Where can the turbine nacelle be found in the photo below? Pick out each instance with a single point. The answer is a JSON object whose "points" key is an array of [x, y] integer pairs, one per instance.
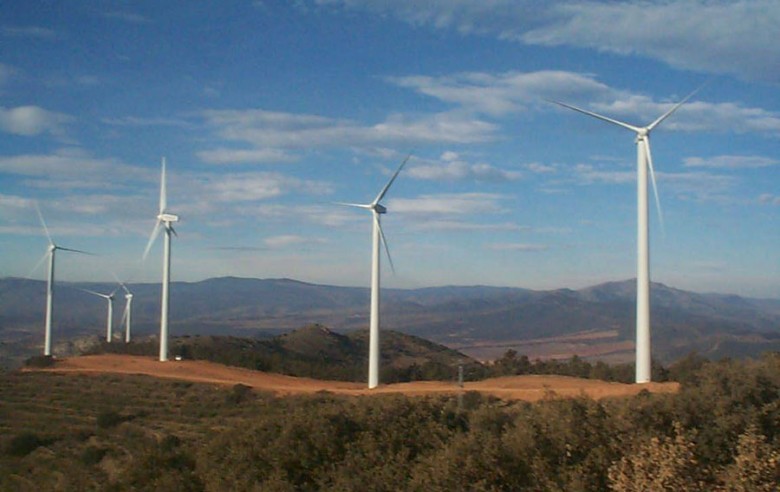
{"points": [[166, 217], [379, 208]]}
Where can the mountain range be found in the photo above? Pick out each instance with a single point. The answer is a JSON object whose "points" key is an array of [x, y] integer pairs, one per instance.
{"points": [[483, 322]]}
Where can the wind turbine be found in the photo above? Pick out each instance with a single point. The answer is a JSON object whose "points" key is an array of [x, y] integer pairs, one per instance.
{"points": [[165, 221], [51, 253], [377, 209], [644, 161], [127, 312], [110, 319]]}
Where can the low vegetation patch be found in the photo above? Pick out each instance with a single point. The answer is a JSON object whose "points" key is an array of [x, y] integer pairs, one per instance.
{"points": [[720, 432]]}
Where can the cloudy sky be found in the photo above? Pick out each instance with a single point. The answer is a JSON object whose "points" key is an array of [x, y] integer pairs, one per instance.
{"points": [[270, 111]]}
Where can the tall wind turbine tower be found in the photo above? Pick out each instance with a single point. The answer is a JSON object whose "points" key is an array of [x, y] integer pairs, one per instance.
{"points": [[165, 221], [377, 235], [644, 161], [51, 253]]}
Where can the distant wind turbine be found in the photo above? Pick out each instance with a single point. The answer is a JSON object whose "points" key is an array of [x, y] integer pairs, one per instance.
{"points": [[110, 319], [165, 221], [644, 161], [50, 252], [127, 312], [377, 210]]}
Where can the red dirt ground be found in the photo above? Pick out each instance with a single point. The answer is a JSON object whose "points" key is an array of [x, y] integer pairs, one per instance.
{"points": [[528, 388]]}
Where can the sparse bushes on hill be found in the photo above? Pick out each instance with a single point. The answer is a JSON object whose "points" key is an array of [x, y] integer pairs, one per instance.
{"points": [[721, 433]]}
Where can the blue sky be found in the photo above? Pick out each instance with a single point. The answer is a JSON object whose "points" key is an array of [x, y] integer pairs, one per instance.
{"points": [[270, 111]]}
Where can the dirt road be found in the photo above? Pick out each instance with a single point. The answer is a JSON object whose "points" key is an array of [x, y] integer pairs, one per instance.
{"points": [[528, 388]]}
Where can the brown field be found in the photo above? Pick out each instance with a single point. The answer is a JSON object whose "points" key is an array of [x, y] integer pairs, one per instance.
{"points": [[528, 388]]}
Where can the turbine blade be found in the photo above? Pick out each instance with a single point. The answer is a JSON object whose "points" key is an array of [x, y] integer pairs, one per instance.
{"points": [[366, 206], [104, 296], [597, 116], [673, 109], [38, 265], [76, 251], [173, 230], [152, 238], [163, 198], [652, 180], [121, 284], [124, 316], [43, 223], [390, 183], [384, 241]]}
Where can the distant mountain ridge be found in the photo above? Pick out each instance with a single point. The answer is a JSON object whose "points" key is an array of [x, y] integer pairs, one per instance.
{"points": [[481, 321]]}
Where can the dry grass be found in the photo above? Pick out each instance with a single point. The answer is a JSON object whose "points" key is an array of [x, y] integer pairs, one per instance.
{"points": [[528, 388]]}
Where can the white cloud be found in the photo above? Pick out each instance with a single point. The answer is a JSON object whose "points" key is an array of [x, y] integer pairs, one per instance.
{"points": [[448, 204], [538, 168], [239, 156], [450, 225], [731, 162], [266, 129], [32, 120], [452, 167], [249, 186], [520, 247], [717, 36], [284, 241], [508, 92], [72, 168]]}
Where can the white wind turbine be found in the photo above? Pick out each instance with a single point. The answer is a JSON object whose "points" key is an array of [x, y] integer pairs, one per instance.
{"points": [[50, 252], [110, 319], [127, 312], [376, 209], [644, 161], [165, 221]]}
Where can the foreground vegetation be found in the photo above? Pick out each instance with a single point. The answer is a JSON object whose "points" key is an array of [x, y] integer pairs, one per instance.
{"points": [[76, 432]]}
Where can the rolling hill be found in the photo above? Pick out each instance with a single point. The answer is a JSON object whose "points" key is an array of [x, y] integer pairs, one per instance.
{"points": [[482, 322]]}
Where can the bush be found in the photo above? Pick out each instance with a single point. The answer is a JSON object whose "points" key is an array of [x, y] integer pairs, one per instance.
{"points": [[40, 361], [24, 444], [109, 419]]}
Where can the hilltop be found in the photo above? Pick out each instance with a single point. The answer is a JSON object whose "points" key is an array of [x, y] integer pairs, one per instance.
{"points": [[315, 352]]}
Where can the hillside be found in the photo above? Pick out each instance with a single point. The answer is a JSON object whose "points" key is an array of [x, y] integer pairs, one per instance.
{"points": [[315, 352], [483, 322]]}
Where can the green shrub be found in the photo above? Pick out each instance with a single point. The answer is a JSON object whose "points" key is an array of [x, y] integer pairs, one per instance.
{"points": [[25, 443]]}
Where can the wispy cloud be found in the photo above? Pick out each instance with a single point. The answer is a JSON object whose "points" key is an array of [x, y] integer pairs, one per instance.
{"points": [[266, 129], [769, 199], [33, 32], [720, 36], [448, 204], [509, 92], [519, 247], [287, 240], [71, 168], [450, 166], [716, 36], [32, 120], [731, 162], [242, 156]]}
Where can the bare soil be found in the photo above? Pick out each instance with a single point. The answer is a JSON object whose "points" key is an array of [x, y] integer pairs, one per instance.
{"points": [[528, 388]]}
